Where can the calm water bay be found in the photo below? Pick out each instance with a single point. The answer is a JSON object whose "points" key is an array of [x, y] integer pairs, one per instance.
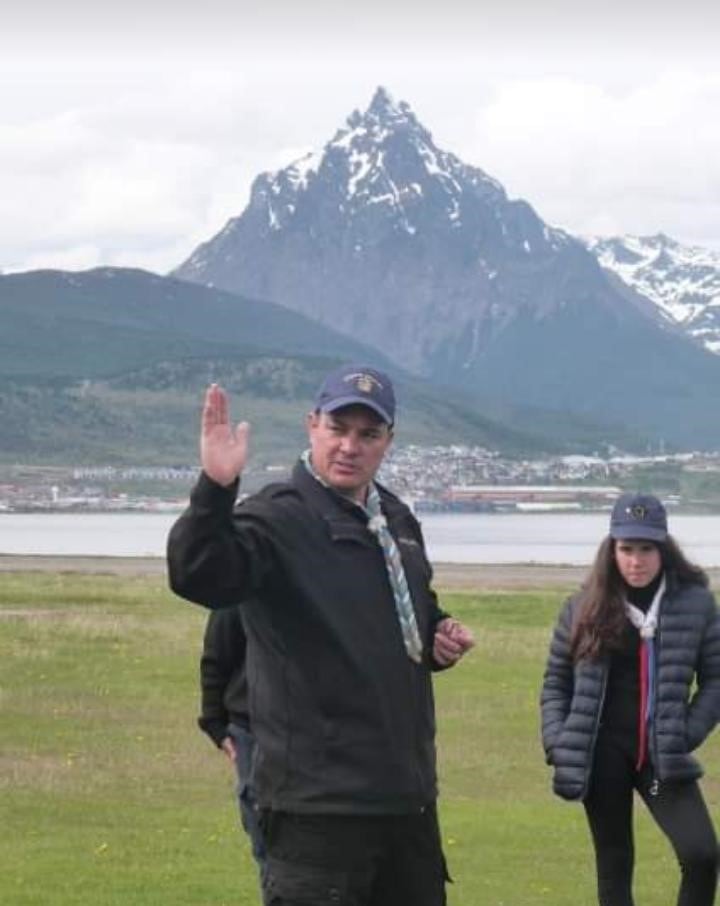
{"points": [[451, 538]]}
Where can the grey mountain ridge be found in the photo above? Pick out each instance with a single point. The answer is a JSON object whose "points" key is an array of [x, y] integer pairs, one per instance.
{"points": [[401, 245], [500, 330], [111, 364]]}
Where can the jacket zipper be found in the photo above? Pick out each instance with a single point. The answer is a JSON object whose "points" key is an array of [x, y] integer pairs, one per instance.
{"points": [[655, 783]]}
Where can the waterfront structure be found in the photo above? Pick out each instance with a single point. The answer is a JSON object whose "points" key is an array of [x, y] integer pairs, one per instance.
{"points": [[529, 497]]}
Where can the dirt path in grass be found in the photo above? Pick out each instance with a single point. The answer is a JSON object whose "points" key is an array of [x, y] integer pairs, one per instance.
{"points": [[460, 576], [451, 576]]}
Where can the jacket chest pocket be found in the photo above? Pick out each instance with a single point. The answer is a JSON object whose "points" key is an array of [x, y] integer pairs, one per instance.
{"points": [[351, 533], [365, 557]]}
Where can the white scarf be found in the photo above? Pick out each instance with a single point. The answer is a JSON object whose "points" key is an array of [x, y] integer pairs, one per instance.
{"points": [[646, 623]]}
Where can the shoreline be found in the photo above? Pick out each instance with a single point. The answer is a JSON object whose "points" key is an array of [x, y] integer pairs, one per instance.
{"points": [[448, 576]]}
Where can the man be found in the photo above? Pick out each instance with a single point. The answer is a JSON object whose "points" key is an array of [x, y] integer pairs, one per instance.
{"points": [[224, 710], [343, 630]]}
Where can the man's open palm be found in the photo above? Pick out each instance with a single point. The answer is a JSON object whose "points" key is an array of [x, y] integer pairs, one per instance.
{"points": [[223, 448]]}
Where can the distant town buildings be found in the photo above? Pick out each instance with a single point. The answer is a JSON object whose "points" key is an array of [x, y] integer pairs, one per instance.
{"points": [[450, 478]]}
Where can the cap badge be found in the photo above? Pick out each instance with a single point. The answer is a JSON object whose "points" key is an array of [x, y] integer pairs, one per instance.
{"points": [[365, 383], [638, 512]]}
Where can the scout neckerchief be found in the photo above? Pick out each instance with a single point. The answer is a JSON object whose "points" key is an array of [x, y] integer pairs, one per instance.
{"points": [[377, 524], [646, 623]]}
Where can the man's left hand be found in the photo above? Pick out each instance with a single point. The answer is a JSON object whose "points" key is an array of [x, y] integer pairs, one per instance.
{"points": [[452, 640]]}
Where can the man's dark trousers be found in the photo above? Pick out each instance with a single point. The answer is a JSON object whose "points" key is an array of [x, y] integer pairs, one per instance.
{"points": [[354, 860]]}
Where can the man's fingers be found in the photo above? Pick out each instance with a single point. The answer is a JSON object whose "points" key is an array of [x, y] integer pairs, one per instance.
{"points": [[215, 408], [466, 638], [242, 432], [458, 633], [221, 404], [447, 647]]}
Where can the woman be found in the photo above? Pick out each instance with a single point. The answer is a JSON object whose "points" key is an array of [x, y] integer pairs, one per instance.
{"points": [[619, 708]]}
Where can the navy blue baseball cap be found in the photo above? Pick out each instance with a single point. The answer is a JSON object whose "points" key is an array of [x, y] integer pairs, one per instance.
{"points": [[357, 385], [638, 516]]}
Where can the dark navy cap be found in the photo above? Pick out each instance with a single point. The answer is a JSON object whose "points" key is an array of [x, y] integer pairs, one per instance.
{"points": [[354, 385], [640, 516]]}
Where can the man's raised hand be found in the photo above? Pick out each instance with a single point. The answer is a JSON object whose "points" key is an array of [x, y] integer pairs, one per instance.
{"points": [[223, 448]]}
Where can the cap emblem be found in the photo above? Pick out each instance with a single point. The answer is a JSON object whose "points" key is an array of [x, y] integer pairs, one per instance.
{"points": [[638, 511], [363, 382]]}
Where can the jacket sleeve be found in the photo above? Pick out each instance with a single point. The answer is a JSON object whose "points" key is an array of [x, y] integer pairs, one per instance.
{"points": [[558, 682], [218, 555], [223, 655], [437, 616], [704, 707]]}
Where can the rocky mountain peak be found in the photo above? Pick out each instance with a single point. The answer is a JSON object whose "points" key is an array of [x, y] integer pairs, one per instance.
{"points": [[385, 111], [382, 172], [380, 202], [383, 121]]}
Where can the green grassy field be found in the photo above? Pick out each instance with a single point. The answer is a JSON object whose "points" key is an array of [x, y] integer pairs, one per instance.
{"points": [[110, 795]]}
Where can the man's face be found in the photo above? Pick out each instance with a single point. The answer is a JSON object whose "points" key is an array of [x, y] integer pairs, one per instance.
{"points": [[347, 447]]}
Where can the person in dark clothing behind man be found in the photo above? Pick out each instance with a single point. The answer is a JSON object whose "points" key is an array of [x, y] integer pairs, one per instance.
{"points": [[620, 711], [224, 710], [343, 631]]}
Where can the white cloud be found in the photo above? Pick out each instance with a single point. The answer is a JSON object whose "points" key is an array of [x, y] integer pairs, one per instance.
{"points": [[646, 159], [130, 146]]}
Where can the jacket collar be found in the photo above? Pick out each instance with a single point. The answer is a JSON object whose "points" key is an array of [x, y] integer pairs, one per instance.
{"points": [[330, 503], [323, 499]]}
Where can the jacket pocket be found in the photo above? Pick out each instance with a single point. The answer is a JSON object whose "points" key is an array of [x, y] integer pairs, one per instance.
{"points": [[350, 531], [287, 882]]}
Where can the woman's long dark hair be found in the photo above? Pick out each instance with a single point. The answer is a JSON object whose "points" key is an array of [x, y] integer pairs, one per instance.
{"points": [[601, 616]]}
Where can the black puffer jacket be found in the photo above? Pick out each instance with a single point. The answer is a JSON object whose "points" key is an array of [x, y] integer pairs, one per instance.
{"points": [[688, 648]]}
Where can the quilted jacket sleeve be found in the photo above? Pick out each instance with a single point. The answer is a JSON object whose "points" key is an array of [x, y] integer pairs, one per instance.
{"points": [[558, 682], [704, 708]]}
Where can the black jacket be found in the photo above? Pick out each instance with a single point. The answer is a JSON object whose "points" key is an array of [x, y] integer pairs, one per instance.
{"points": [[343, 718], [688, 648], [223, 683]]}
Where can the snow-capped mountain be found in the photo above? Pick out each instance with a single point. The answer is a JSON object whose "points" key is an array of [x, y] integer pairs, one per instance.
{"points": [[385, 237], [682, 281]]}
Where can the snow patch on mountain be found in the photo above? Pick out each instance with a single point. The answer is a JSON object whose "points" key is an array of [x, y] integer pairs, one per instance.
{"points": [[385, 157], [683, 281], [381, 175]]}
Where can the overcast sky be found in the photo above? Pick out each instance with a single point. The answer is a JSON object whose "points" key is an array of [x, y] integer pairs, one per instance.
{"points": [[129, 136]]}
